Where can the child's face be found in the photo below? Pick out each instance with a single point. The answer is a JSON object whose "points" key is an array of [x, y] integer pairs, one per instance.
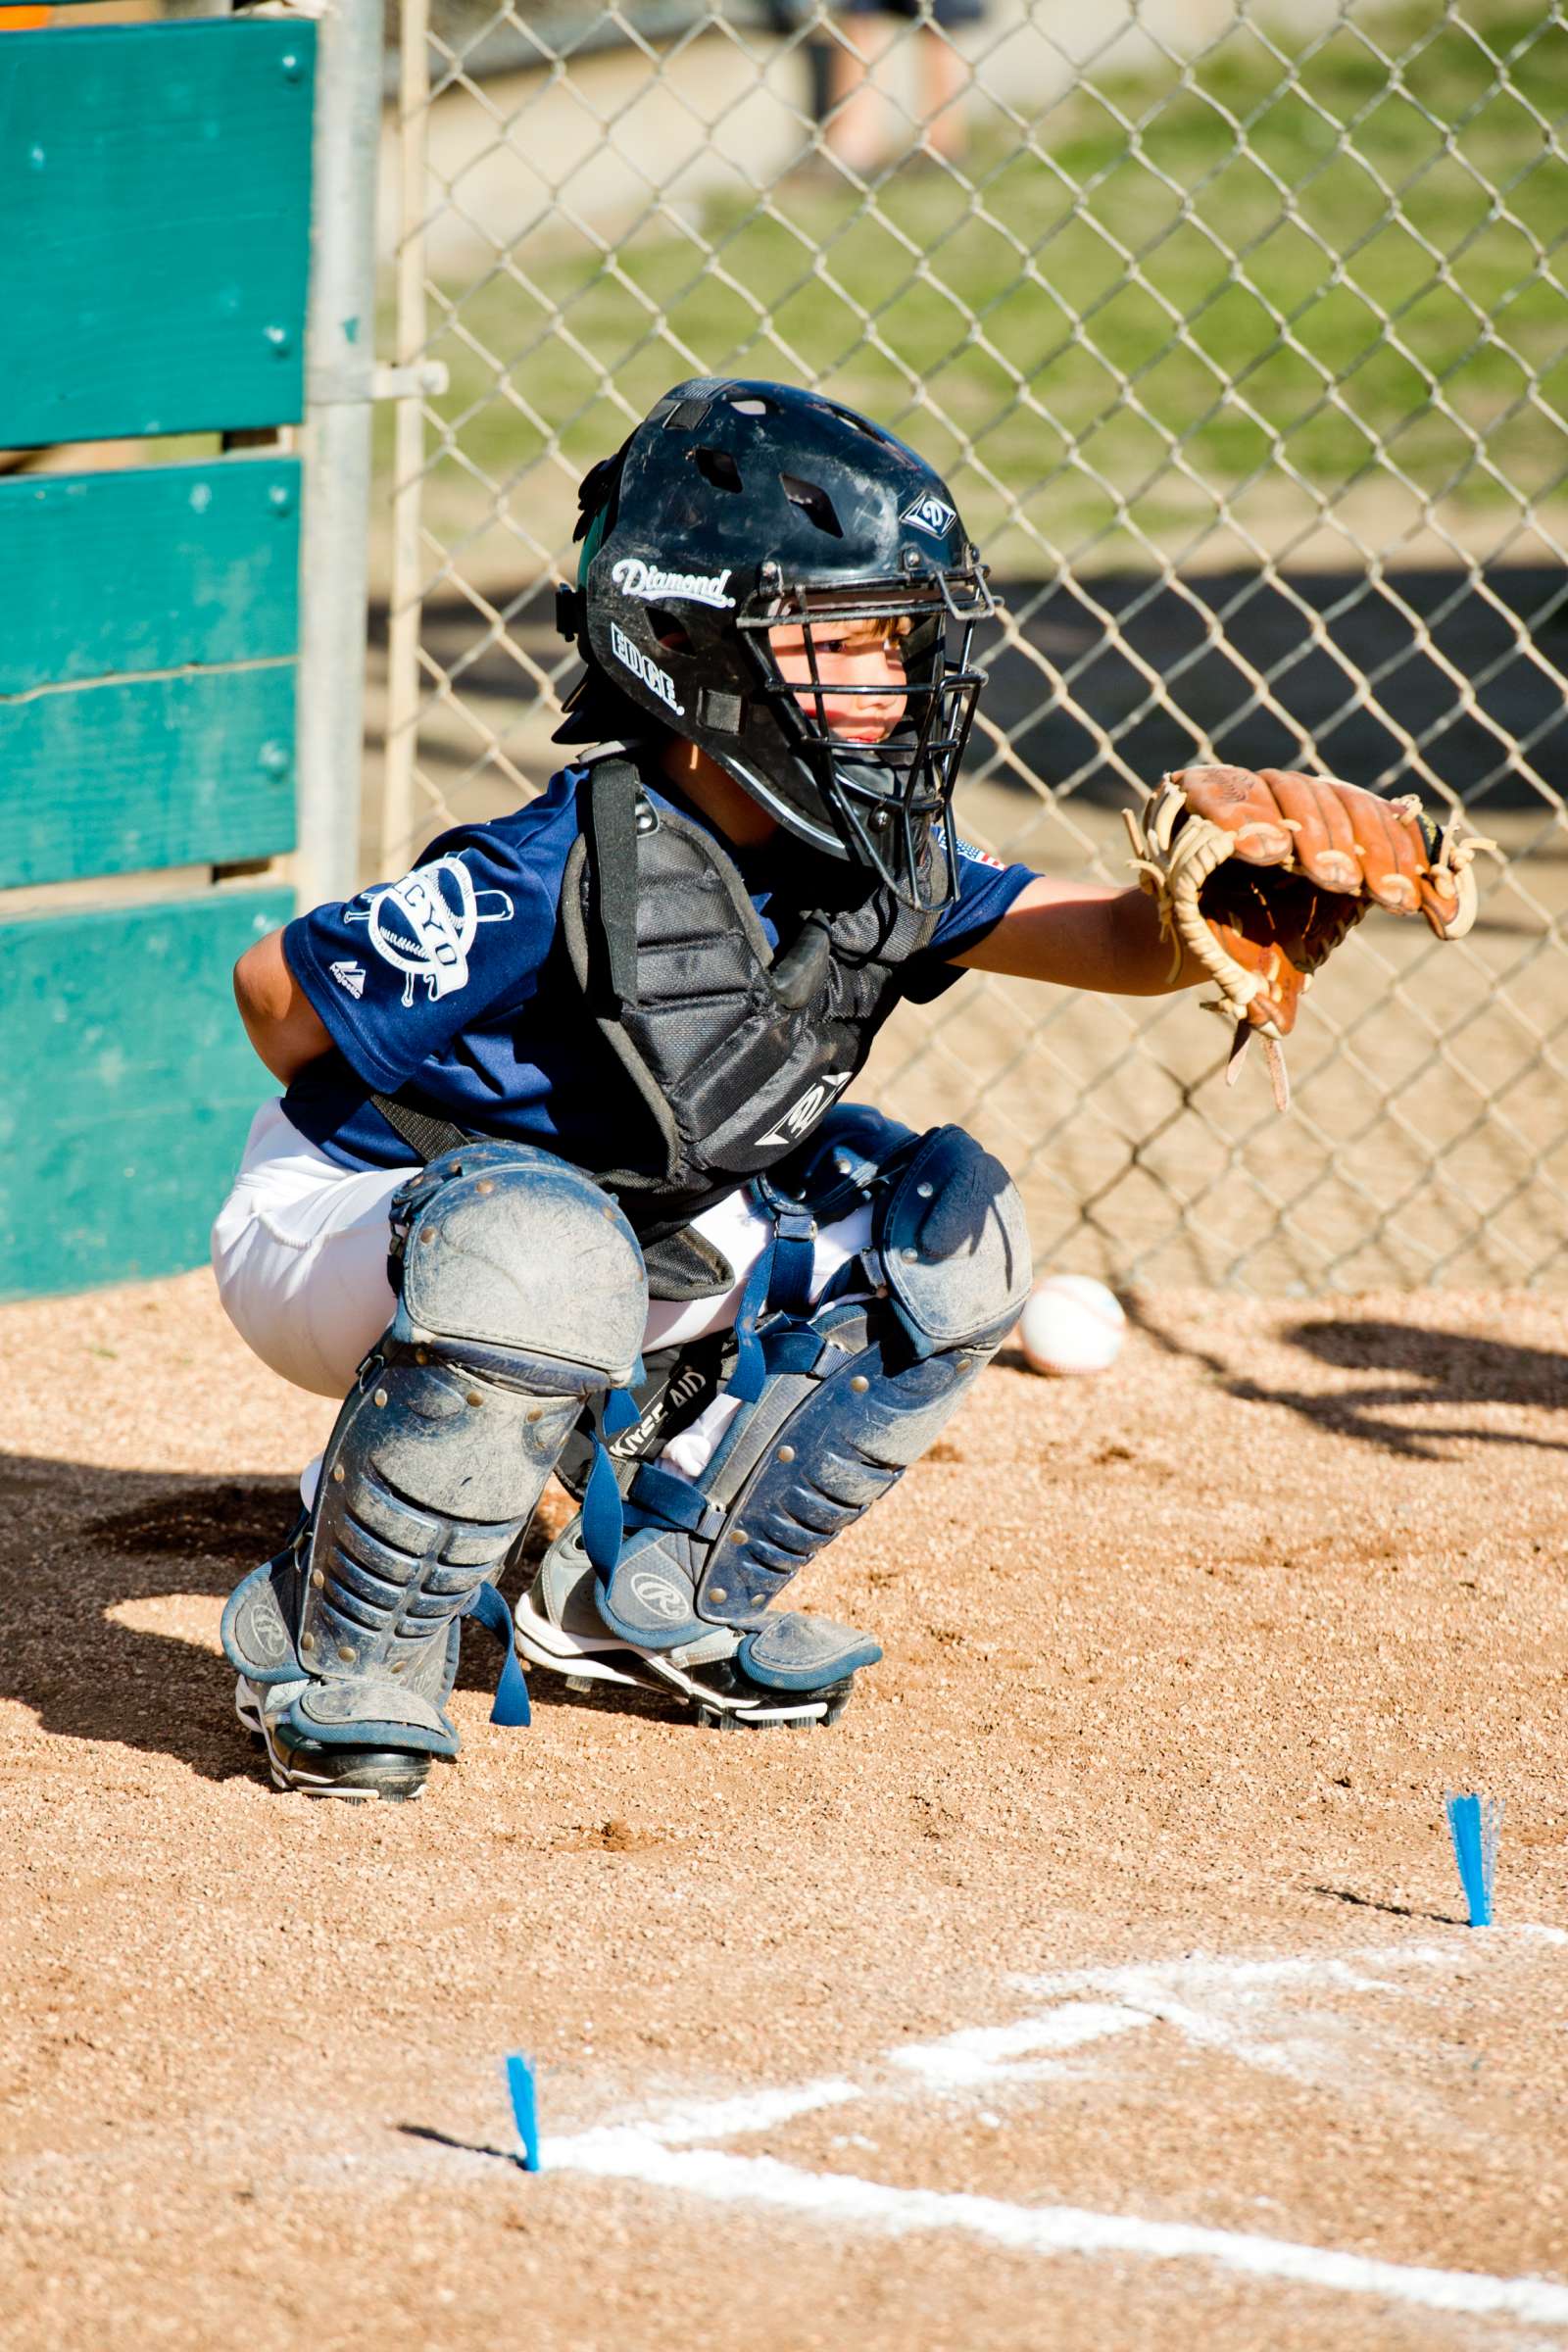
{"points": [[859, 692]]}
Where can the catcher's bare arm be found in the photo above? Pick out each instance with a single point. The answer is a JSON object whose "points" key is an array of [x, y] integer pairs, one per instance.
{"points": [[1083, 935]]}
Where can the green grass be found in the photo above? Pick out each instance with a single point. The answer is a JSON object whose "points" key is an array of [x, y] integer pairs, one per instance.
{"points": [[1139, 304]]}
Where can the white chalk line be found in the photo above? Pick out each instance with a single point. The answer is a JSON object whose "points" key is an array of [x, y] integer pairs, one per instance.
{"points": [[714, 2173], [985, 2054], [1363, 1971], [656, 2150], [1241, 2009], [750, 2111]]}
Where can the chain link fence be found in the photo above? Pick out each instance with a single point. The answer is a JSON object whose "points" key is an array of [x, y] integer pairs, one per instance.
{"points": [[1242, 335]]}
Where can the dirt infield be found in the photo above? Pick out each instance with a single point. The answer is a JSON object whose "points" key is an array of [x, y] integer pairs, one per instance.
{"points": [[1099, 1983]]}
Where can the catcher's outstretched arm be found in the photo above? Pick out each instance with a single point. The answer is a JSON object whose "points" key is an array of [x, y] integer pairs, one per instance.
{"points": [[1084, 935]]}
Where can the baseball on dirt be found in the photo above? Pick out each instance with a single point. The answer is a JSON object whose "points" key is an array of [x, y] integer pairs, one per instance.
{"points": [[1071, 1324]]}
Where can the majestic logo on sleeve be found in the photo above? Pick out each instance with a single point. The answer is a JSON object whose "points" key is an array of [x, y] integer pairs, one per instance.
{"points": [[425, 924], [804, 1111], [633, 577]]}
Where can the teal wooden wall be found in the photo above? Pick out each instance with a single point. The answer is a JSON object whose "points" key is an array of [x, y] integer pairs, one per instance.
{"points": [[189, 565], [155, 190], [127, 1101]]}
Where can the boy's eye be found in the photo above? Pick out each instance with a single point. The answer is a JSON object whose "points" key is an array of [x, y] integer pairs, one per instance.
{"points": [[862, 645]]}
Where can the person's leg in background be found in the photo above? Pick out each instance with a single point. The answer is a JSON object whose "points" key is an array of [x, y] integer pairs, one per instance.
{"points": [[854, 132]]}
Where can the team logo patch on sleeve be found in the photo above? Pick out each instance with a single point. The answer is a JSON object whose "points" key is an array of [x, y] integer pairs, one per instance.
{"points": [[424, 925]]}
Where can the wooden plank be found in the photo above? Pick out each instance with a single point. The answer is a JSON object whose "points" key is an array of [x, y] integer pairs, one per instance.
{"points": [[155, 190], [196, 769], [150, 570], [129, 1087]]}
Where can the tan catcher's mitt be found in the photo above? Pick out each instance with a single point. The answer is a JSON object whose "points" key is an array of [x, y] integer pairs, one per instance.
{"points": [[1260, 875]]}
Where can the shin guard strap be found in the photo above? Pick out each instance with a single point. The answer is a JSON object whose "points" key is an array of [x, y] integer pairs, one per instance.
{"points": [[510, 1706], [604, 1520]]}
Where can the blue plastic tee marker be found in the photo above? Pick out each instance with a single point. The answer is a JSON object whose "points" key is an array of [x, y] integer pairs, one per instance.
{"points": [[1473, 1825], [524, 2109]]}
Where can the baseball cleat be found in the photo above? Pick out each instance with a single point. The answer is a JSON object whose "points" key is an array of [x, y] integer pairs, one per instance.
{"points": [[394, 1774], [722, 1694]]}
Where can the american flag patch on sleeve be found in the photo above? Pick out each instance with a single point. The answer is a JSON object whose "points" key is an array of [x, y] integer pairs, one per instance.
{"points": [[971, 850]]}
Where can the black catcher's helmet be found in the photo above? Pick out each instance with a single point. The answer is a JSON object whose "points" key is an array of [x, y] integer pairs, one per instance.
{"points": [[735, 507]]}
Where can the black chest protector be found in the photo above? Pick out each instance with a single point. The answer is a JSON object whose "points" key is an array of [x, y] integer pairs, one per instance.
{"points": [[733, 1051]]}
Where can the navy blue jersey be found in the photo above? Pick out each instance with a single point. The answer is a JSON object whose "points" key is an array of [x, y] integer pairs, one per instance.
{"points": [[453, 986]]}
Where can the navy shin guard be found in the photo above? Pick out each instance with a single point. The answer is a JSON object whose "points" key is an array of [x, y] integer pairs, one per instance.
{"points": [[522, 1292], [840, 1400]]}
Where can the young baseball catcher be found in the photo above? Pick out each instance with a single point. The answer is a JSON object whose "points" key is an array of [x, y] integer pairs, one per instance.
{"points": [[563, 1177]]}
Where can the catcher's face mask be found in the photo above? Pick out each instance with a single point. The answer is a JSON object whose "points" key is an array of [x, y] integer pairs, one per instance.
{"points": [[874, 689]]}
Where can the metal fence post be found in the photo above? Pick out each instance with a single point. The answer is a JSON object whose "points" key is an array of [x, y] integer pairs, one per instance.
{"points": [[401, 809], [340, 355]]}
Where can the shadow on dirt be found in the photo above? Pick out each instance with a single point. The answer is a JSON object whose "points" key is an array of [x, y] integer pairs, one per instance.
{"points": [[81, 1542], [1367, 1902], [1446, 1369], [462, 2147], [1432, 1368]]}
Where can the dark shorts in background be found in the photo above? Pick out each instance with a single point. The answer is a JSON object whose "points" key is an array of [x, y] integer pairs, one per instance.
{"points": [[945, 13]]}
